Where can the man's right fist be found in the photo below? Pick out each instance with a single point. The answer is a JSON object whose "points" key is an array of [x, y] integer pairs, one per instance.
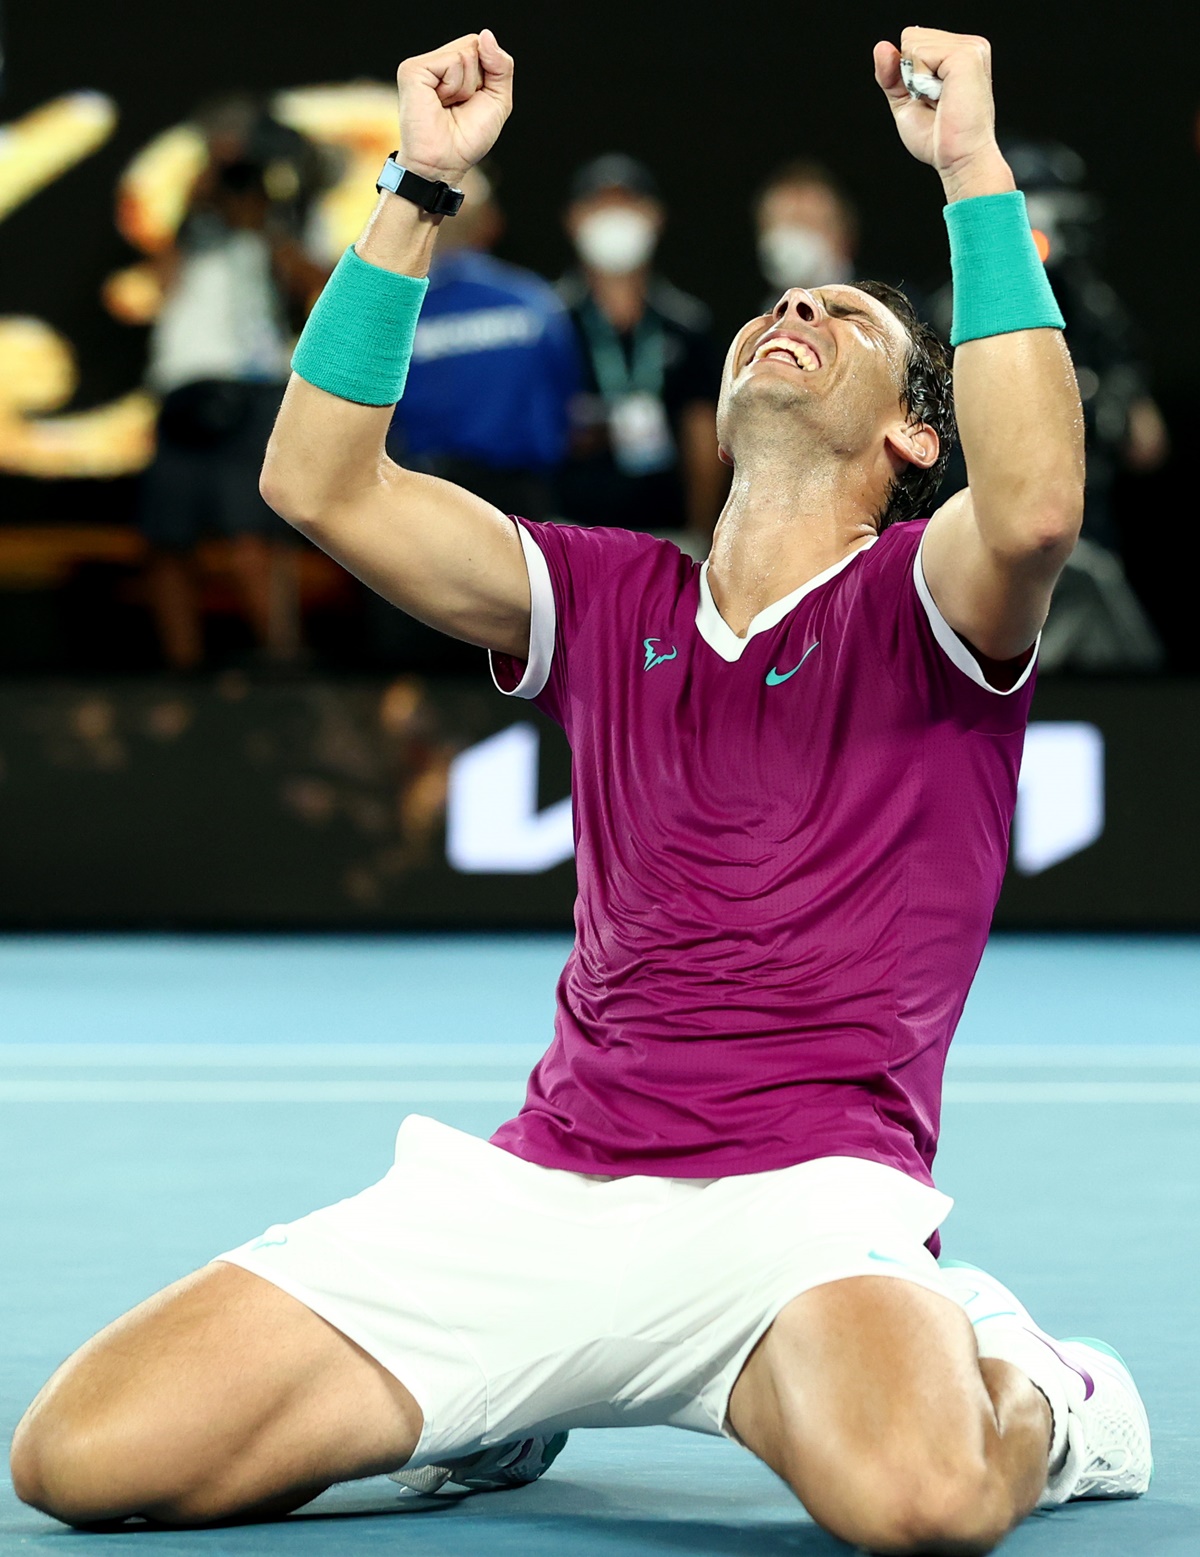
{"points": [[453, 104]]}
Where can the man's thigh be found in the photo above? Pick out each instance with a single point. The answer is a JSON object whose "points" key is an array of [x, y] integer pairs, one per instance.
{"points": [[221, 1394], [864, 1395]]}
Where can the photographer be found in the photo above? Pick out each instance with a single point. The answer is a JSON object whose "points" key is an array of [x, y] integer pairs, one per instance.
{"points": [[234, 284]]}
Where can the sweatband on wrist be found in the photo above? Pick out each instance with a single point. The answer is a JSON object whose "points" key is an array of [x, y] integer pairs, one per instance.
{"points": [[358, 341], [1000, 282]]}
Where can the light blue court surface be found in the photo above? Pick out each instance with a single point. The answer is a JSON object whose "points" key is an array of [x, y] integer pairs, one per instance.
{"points": [[162, 1099]]}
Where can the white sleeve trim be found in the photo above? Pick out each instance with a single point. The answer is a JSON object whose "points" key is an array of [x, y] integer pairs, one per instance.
{"points": [[542, 623], [953, 646]]}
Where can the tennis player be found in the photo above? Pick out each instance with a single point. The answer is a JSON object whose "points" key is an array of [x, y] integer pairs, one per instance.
{"points": [[794, 773]]}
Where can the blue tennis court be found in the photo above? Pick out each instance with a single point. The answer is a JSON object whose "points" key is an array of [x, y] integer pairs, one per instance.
{"points": [[162, 1099]]}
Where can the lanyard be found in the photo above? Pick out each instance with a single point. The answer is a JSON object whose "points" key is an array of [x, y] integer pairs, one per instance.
{"points": [[616, 375]]}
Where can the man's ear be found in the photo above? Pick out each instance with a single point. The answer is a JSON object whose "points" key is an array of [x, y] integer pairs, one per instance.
{"points": [[913, 443]]}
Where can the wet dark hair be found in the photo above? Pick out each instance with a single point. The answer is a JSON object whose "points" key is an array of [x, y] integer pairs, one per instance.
{"points": [[927, 395]]}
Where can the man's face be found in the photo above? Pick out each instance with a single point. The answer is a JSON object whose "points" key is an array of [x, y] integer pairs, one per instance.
{"points": [[615, 199], [830, 359], [614, 231], [812, 206]]}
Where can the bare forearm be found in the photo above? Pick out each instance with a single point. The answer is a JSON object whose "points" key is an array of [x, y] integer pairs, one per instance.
{"points": [[435, 550], [1021, 426], [324, 449], [1018, 412]]}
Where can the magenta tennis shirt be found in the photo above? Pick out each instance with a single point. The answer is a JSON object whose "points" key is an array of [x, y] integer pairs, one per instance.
{"points": [[789, 848]]}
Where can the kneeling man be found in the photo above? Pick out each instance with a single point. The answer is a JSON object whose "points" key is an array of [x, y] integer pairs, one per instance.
{"points": [[794, 772]]}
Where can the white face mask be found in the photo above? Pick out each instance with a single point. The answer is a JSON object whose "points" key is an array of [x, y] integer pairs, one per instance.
{"points": [[795, 256], [616, 241]]}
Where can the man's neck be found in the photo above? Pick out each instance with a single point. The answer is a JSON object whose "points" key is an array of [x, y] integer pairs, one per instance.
{"points": [[781, 527], [621, 299]]}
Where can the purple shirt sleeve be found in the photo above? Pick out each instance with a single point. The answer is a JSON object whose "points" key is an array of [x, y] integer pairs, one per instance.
{"points": [[922, 652], [571, 568]]}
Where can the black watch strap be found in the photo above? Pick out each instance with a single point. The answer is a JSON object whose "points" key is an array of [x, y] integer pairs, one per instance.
{"points": [[430, 194]]}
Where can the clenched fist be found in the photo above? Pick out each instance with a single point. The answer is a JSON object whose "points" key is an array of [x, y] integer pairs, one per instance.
{"points": [[957, 134], [453, 104]]}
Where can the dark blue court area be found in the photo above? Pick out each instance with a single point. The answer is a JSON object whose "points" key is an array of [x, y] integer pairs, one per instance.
{"points": [[164, 1099]]}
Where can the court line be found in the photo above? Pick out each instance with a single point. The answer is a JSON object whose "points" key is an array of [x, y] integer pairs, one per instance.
{"points": [[268, 1056], [1096, 1056], [1071, 1092], [454, 1056], [98, 1090]]}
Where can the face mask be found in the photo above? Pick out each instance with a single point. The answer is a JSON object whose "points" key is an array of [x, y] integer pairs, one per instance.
{"points": [[616, 241], [799, 257]]}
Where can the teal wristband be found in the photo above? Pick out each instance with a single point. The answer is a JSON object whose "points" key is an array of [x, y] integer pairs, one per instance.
{"points": [[358, 341], [1000, 283]]}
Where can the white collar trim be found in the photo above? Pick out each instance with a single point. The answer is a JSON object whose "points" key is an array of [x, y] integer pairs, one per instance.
{"points": [[722, 639]]}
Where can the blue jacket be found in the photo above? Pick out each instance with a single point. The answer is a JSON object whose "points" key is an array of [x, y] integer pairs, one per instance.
{"points": [[495, 365]]}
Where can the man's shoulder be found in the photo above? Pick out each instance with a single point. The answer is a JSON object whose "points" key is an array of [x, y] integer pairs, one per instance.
{"points": [[895, 548], [525, 285], [571, 291], [679, 308], [491, 281], [879, 579], [604, 548]]}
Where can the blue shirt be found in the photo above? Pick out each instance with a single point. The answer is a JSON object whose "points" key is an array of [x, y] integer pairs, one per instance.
{"points": [[495, 364]]}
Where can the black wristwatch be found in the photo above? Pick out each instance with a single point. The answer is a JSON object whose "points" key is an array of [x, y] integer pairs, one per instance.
{"points": [[430, 194]]}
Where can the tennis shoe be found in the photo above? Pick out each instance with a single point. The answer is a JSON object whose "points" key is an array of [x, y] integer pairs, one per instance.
{"points": [[1107, 1438], [1114, 1459], [505, 1465]]}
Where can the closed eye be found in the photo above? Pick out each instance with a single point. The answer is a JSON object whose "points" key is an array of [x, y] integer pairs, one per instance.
{"points": [[840, 310]]}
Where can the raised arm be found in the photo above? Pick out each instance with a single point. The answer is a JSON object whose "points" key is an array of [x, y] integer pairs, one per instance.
{"points": [[992, 554], [442, 554]]}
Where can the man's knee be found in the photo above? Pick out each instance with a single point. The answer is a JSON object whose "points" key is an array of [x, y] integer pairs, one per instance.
{"points": [[59, 1468], [955, 1508], [87, 1473]]}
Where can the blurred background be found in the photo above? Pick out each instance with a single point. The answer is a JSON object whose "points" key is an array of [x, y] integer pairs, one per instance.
{"points": [[204, 724], [206, 727]]}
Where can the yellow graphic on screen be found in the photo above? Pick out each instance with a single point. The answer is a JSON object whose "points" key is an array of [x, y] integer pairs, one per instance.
{"points": [[41, 147], [152, 201], [38, 374], [38, 371], [358, 119]]}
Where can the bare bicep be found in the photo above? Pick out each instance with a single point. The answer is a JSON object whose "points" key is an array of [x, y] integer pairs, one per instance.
{"points": [[996, 603], [438, 552]]}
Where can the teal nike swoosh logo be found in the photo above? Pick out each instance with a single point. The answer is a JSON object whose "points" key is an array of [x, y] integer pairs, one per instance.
{"points": [[873, 1254], [775, 679], [269, 1240]]}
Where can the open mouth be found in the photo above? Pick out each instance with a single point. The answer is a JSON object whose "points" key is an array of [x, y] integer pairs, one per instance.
{"points": [[786, 348]]}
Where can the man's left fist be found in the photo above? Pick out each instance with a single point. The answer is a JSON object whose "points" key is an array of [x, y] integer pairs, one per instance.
{"points": [[957, 134]]}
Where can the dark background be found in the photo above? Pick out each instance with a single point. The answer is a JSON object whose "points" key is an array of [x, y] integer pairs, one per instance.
{"points": [[712, 97], [239, 806]]}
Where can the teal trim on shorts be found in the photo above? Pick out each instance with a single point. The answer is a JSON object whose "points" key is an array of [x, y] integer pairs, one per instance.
{"points": [[1000, 283], [358, 341]]}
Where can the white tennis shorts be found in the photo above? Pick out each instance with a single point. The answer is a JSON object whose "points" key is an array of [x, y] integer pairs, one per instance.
{"points": [[512, 1299]]}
